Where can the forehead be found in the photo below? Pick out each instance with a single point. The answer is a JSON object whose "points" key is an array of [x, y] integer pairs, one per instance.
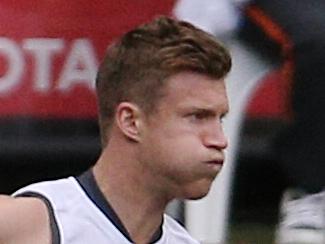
{"points": [[193, 89]]}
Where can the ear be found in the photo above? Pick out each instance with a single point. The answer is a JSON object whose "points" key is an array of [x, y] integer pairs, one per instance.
{"points": [[128, 119]]}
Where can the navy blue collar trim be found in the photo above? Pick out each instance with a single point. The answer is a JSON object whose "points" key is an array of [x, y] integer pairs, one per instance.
{"points": [[88, 183]]}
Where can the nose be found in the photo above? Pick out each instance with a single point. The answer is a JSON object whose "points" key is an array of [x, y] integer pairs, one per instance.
{"points": [[215, 137]]}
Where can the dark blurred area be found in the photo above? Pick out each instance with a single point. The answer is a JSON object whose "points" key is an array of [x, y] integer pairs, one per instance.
{"points": [[32, 150], [258, 180]]}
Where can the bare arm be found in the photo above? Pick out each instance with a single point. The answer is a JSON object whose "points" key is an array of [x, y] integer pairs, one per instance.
{"points": [[23, 220]]}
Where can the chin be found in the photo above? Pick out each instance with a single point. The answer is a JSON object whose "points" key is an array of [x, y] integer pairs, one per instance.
{"points": [[198, 191], [197, 196]]}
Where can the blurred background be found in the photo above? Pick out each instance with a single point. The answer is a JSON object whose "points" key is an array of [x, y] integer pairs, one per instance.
{"points": [[49, 53]]}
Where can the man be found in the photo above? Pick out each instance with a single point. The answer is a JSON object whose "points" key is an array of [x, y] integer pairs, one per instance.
{"points": [[162, 97], [295, 40]]}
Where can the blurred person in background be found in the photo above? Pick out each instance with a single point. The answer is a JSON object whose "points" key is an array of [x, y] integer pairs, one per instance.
{"points": [[161, 96], [293, 32]]}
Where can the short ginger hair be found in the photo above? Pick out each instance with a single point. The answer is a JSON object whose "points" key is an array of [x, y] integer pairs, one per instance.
{"points": [[137, 65]]}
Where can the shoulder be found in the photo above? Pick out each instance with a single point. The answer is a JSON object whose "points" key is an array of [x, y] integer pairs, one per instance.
{"points": [[23, 220], [54, 192], [177, 232], [55, 187]]}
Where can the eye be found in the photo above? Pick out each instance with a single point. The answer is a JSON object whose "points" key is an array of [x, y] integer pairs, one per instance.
{"points": [[200, 115]]}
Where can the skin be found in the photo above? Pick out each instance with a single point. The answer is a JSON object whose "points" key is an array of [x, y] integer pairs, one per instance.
{"points": [[174, 152], [188, 124], [23, 220]]}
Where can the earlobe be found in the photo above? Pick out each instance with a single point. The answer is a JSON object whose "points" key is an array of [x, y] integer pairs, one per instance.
{"points": [[128, 120]]}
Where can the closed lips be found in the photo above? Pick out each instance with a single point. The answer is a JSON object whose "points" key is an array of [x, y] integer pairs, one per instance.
{"points": [[219, 162]]}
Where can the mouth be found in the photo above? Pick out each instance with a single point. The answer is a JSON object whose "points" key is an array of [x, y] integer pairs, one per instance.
{"points": [[215, 162], [214, 165]]}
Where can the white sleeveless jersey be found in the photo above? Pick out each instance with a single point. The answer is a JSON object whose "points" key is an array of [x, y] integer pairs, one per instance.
{"points": [[80, 221]]}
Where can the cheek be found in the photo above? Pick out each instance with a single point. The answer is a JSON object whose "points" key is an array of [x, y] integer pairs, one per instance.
{"points": [[179, 145], [178, 156], [170, 150], [174, 145]]}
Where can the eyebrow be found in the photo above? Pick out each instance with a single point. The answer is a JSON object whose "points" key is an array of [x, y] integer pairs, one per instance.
{"points": [[206, 111]]}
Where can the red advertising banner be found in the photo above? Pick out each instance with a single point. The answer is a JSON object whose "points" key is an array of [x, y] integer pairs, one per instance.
{"points": [[50, 51]]}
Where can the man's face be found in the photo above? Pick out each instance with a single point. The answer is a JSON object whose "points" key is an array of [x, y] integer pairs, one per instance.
{"points": [[183, 141]]}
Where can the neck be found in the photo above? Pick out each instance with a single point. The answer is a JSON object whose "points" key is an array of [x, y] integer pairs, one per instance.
{"points": [[128, 190]]}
